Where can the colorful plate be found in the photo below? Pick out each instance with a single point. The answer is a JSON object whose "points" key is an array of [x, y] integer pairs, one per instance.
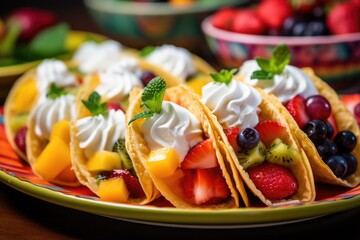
{"points": [[17, 174]]}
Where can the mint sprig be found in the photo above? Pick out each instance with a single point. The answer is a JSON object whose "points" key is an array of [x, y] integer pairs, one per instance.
{"points": [[152, 98], [146, 51], [224, 76], [55, 91], [94, 105], [269, 68]]}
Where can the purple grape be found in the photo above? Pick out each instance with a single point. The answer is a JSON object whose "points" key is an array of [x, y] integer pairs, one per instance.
{"points": [[318, 107], [351, 162], [345, 141], [338, 165], [316, 131], [146, 77], [327, 149]]}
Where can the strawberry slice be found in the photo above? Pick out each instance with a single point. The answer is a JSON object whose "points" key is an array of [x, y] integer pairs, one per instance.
{"points": [[296, 107], [224, 18], [352, 102], [273, 180], [231, 134], [247, 21], [202, 155], [270, 130], [205, 186]]}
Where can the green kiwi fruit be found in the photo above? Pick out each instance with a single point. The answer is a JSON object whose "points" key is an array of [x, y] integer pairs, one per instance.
{"points": [[281, 153], [119, 147], [251, 157]]}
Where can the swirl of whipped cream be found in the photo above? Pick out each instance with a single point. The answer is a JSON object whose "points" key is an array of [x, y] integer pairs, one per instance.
{"points": [[100, 132], [173, 59], [235, 104], [117, 81], [93, 57], [284, 86], [174, 127], [54, 71], [49, 111]]}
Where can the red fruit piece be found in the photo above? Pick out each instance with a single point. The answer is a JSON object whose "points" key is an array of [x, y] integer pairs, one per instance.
{"points": [[132, 183], [352, 102], [296, 107], [273, 180], [20, 139], [231, 134], [269, 130], [247, 21], [202, 155], [114, 106], [32, 21], [205, 186], [274, 12], [223, 18], [344, 18]]}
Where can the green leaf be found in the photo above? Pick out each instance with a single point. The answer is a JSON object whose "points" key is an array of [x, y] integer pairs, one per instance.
{"points": [[94, 105], [50, 42], [281, 56], [146, 114], [224, 76], [264, 64], [56, 92], [146, 51], [153, 94], [262, 75]]}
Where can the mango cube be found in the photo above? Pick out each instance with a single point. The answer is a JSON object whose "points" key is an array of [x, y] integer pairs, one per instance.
{"points": [[54, 159], [104, 161], [113, 190], [197, 84], [163, 162], [61, 129], [25, 96]]}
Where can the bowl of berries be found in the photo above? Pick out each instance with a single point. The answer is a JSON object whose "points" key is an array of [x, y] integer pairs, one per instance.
{"points": [[324, 35], [139, 23]]}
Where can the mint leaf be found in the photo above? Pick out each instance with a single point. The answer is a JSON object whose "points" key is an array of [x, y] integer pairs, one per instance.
{"points": [[152, 98], [224, 76], [94, 105], [146, 51], [55, 91], [276, 65]]}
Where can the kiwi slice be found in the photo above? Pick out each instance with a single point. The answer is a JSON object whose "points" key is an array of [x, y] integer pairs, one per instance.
{"points": [[119, 147], [281, 153], [251, 157]]}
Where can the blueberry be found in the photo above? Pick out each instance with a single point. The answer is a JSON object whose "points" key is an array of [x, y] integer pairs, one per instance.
{"points": [[248, 138], [345, 141], [326, 149], [338, 165], [316, 131], [351, 162], [329, 129]]}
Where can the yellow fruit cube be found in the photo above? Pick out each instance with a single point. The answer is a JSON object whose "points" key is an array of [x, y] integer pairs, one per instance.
{"points": [[163, 162], [113, 190], [61, 129], [104, 161], [25, 96], [54, 159], [197, 84]]}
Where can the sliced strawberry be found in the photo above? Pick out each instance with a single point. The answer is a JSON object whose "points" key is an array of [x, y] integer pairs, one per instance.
{"points": [[352, 102], [344, 18], [273, 180], [132, 183], [274, 12], [231, 134], [247, 21], [202, 155], [296, 107], [269, 131], [224, 18], [205, 186]]}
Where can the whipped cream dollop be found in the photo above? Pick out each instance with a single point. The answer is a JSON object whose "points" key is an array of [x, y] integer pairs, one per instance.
{"points": [[234, 104], [284, 86], [173, 59], [175, 127], [119, 79], [49, 111], [53, 71], [93, 57], [100, 132]]}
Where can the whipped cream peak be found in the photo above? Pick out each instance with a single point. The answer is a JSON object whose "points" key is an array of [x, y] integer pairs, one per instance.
{"points": [[54, 71], [284, 86], [100, 132], [174, 127], [173, 59], [234, 104]]}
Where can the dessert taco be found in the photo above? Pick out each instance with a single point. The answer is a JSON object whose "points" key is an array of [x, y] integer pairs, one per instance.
{"points": [[321, 122], [251, 127], [176, 146]]}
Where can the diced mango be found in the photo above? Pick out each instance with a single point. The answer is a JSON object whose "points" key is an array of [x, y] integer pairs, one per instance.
{"points": [[163, 162], [61, 129], [68, 175], [113, 190], [103, 161], [197, 84], [25, 96], [54, 159]]}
